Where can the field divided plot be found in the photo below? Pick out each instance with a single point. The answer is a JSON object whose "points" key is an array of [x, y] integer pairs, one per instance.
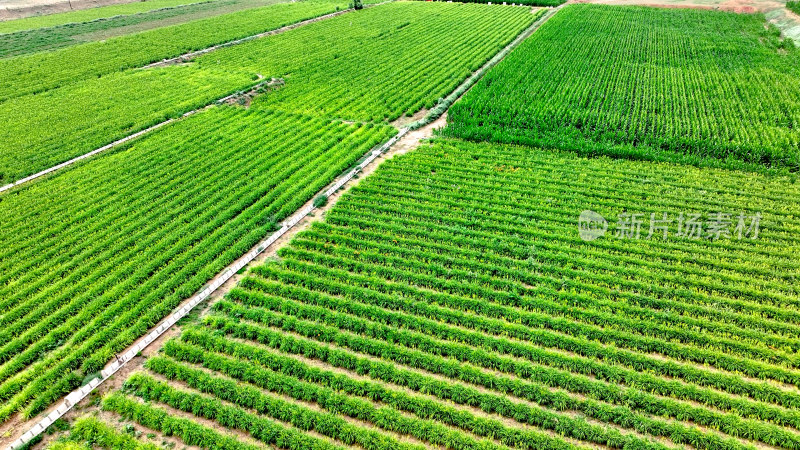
{"points": [[447, 300], [645, 83], [97, 253], [381, 63], [360, 79]]}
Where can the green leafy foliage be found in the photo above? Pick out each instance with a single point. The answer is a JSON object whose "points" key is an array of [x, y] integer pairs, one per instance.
{"points": [[684, 85]]}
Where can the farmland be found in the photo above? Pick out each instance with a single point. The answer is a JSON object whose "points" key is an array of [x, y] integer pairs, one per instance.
{"points": [[45, 71], [594, 248], [448, 298], [109, 259], [700, 86], [89, 15], [60, 124], [153, 240]]}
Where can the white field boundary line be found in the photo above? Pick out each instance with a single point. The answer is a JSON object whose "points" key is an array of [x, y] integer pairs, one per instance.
{"points": [[127, 138], [191, 55], [79, 394]]}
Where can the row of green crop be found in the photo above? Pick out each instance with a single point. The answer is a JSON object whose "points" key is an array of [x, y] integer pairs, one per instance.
{"points": [[161, 237], [455, 310], [465, 282], [539, 310], [753, 329], [245, 399], [435, 353], [417, 360], [336, 396], [432, 322], [645, 83], [440, 64], [340, 394], [190, 432], [769, 298], [563, 424]]}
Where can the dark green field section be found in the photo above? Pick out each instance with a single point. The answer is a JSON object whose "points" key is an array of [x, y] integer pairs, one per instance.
{"points": [[645, 83], [448, 300]]}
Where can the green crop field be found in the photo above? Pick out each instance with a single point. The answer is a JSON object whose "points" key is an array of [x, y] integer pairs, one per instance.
{"points": [[645, 83], [40, 72], [91, 14], [149, 237], [52, 127], [409, 225], [449, 298], [86, 271]]}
